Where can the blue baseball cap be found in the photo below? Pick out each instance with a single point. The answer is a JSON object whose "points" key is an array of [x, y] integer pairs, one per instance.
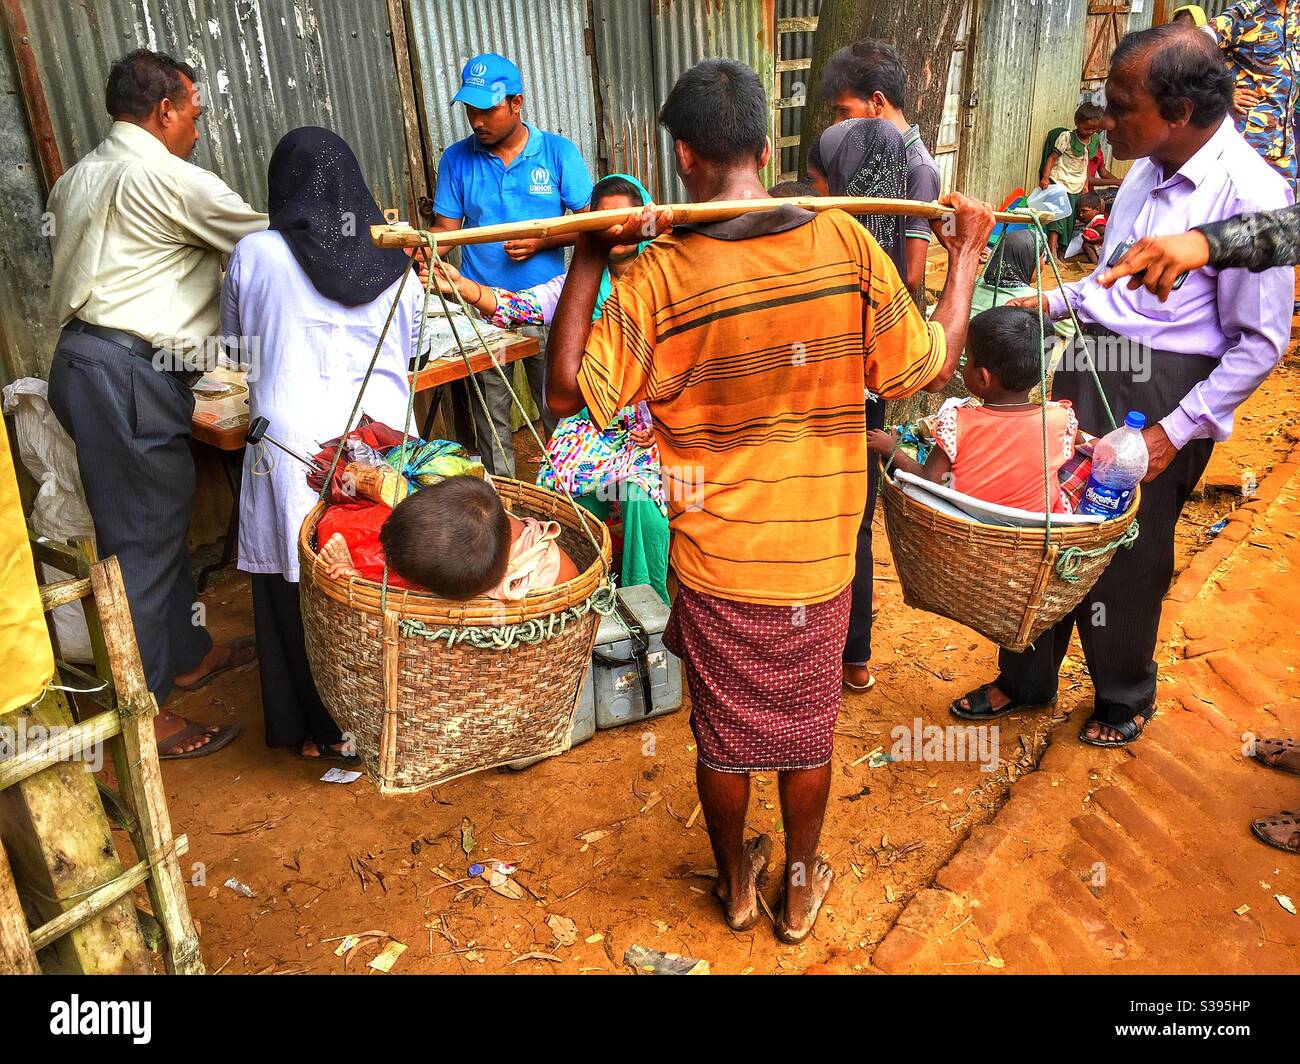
{"points": [[487, 80]]}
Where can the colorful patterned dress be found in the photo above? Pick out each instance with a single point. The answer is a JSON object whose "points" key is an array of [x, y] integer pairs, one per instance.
{"points": [[601, 467]]}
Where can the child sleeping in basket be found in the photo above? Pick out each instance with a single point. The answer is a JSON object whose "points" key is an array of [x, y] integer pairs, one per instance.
{"points": [[456, 540], [994, 451]]}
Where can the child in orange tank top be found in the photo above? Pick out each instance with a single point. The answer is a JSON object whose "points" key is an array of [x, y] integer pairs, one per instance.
{"points": [[994, 451]]}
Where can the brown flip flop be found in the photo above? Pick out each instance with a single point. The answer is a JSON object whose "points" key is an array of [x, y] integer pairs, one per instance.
{"points": [[1281, 830], [243, 651], [222, 737], [1284, 754]]}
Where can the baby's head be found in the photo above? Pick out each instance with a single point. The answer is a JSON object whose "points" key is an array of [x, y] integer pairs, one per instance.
{"points": [[1003, 349], [1090, 205], [1087, 119], [452, 538]]}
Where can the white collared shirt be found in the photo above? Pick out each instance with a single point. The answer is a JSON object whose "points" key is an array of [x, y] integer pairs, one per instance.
{"points": [[138, 238]]}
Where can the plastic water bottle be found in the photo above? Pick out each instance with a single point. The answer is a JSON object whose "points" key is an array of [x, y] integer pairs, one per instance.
{"points": [[1119, 462]]}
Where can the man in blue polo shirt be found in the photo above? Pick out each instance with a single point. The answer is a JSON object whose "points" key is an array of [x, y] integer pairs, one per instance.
{"points": [[507, 170]]}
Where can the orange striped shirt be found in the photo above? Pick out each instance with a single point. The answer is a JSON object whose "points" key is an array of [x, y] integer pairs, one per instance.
{"points": [[753, 342]]}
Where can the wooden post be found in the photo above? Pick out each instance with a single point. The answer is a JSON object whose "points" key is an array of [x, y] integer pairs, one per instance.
{"points": [[62, 849], [32, 91], [16, 954], [419, 187], [135, 757]]}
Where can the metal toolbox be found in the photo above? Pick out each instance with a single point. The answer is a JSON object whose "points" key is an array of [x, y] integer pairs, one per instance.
{"points": [[632, 676]]}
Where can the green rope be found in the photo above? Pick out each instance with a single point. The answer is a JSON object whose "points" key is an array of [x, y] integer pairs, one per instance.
{"points": [[602, 601], [1071, 559], [383, 335], [431, 240], [1078, 328]]}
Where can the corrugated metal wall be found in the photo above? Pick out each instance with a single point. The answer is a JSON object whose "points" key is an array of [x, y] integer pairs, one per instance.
{"points": [[629, 138], [1027, 62], [546, 39], [268, 66], [1056, 74], [643, 46], [685, 33], [26, 335]]}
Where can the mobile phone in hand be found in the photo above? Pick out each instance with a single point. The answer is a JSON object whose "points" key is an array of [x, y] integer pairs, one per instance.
{"points": [[1122, 249]]}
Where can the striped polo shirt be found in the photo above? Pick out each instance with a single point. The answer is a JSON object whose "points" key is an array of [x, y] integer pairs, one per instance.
{"points": [[753, 342]]}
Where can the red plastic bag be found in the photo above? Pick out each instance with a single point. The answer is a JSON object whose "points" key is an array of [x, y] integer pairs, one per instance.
{"points": [[359, 524]]}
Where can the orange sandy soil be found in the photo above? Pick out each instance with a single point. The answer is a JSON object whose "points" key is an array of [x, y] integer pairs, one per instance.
{"points": [[328, 860]]}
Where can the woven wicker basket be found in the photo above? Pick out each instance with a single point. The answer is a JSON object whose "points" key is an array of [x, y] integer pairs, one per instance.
{"points": [[999, 581], [422, 711]]}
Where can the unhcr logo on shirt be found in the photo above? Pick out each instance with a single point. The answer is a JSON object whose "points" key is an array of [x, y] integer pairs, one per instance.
{"points": [[541, 182]]}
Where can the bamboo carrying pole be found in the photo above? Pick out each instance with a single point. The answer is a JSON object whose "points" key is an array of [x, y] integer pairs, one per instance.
{"points": [[404, 236]]}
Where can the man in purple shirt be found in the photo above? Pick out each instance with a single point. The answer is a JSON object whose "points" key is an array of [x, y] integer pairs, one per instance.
{"points": [[1187, 363]]}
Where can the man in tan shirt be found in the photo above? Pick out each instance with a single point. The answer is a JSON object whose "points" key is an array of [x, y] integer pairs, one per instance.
{"points": [[139, 235]]}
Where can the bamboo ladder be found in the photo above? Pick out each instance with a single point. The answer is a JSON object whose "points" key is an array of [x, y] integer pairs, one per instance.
{"points": [[124, 723]]}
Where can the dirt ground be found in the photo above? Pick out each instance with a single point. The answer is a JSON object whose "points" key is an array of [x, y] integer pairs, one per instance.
{"points": [[324, 861]]}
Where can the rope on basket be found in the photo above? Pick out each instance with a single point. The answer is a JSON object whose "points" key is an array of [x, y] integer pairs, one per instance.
{"points": [[603, 602], [1071, 559]]}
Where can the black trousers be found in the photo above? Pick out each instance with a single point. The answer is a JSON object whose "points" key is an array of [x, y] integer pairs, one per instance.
{"points": [[1119, 619], [131, 427], [857, 648], [291, 707]]}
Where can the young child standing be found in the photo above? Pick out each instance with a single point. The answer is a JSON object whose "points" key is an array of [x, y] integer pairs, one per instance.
{"points": [[994, 452], [1066, 164]]}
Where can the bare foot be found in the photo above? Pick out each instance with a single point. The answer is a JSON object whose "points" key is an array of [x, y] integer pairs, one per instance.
{"points": [[337, 558], [803, 902], [742, 911], [168, 724], [312, 752]]}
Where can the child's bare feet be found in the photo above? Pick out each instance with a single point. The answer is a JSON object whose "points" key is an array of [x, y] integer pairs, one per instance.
{"points": [[742, 910], [803, 902], [337, 558]]}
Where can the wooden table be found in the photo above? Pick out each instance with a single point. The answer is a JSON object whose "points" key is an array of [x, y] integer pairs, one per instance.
{"points": [[221, 416]]}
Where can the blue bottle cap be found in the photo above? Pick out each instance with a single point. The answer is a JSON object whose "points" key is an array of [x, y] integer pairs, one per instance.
{"points": [[1136, 420], [476, 869]]}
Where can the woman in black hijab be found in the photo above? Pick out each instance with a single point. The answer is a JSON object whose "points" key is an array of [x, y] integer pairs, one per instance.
{"points": [[320, 205], [865, 157], [309, 297]]}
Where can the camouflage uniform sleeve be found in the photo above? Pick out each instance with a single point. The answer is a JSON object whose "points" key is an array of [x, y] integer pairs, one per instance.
{"points": [[1255, 241]]}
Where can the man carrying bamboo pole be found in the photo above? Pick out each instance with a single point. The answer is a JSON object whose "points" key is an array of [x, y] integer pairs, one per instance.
{"points": [[753, 341]]}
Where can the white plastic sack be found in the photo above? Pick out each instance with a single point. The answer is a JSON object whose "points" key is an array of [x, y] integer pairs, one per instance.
{"points": [[60, 512]]}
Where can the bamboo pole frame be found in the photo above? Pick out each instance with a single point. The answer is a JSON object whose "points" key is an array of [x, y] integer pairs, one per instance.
{"points": [[127, 728], [402, 235]]}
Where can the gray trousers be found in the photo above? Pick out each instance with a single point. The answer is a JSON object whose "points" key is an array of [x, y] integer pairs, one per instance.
{"points": [[131, 427], [499, 405]]}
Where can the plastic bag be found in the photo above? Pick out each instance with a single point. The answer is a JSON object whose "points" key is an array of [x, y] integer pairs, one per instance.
{"points": [[425, 464], [359, 524], [59, 512]]}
